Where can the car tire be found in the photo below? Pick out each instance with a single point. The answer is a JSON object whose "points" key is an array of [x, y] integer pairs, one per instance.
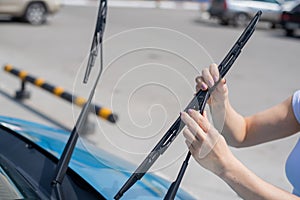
{"points": [[223, 22], [289, 32], [273, 26], [240, 19], [36, 13]]}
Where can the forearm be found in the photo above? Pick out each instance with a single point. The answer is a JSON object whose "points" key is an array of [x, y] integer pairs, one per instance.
{"points": [[271, 124], [249, 186], [231, 124], [274, 123]]}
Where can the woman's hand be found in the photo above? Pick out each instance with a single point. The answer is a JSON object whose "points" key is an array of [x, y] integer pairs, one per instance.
{"points": [[210, 150], [207, 79], [206, 144]]}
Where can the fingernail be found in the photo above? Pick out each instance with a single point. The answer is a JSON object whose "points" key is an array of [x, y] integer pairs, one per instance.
{"points": [[215, 77], [203, 86]]}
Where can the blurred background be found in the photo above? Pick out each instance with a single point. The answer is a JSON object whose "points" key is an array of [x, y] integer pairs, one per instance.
{"points": [[153, 50]]}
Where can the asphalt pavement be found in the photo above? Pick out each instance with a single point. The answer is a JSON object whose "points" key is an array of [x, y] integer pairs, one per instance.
{"points": [[151, 57]]}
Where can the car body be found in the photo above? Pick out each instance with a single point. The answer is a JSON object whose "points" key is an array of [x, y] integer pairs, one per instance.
{"points": [[33, 11], [290, 18], [238, 12], [29, 154]]}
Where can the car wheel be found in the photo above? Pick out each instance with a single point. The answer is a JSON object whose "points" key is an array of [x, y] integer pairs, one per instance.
{"points": [[36, 13], [289, 32], [223, 22], [273, 25], [241, 19]]}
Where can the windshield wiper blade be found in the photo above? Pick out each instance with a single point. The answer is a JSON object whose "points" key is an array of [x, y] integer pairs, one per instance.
{"points": [[224, 66], [65, 158], [97, 39], [197, 103]]}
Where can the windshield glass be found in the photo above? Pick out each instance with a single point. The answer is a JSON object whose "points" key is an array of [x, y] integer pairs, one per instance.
{"points": [[8, 189]]}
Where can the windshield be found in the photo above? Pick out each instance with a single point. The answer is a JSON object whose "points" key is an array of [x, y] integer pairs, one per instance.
{"points": [[8, 189]]}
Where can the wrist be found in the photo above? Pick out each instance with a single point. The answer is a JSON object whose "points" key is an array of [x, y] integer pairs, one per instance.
{"points": [[230, 168], [224, 101], [218, 111], [230, 164], [222, 160]]}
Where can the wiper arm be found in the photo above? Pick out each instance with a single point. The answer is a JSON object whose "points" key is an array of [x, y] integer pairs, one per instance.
{"points": [[65, 158], [197, 103]]}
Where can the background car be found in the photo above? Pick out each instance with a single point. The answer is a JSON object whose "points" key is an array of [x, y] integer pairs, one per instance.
{"points": [[33, 11], [290, 18], [238, 12]]}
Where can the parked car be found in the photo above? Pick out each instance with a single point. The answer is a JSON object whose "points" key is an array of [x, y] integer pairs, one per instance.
{"points": [[33, 11], [290, 18], [238, 12], [29, 153]]}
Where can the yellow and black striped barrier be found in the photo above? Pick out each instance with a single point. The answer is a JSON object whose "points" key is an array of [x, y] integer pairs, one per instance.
{"points": [[104, 113]]}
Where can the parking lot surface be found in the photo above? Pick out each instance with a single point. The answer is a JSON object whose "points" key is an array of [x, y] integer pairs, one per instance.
{"points": [[151, 57]]}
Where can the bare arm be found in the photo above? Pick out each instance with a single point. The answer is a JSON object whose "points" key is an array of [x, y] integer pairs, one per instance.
{"points": [[274, 123], [249, 186]]}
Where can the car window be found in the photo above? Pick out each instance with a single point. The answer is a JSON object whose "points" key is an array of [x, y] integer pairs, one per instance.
{"points": [[217, 1], [268, 1], [8, 189], [296, 9]]}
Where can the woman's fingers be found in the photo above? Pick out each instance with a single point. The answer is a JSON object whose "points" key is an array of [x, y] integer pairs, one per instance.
{"points": [[193, 133], [200, 135], [193, 127], [189, 136], [199, 119], [205, 143], [200, 84], [214, 71], [192, 139], [209, 76]]}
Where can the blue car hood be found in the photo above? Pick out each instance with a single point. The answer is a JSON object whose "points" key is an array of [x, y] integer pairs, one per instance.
{"points": [[102, 170]]}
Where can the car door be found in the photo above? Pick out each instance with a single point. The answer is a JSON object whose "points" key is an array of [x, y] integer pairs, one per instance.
{"points": [[11, 6], [296, 14]]}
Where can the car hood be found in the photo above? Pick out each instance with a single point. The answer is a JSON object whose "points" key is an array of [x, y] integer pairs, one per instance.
{"points": [[102, 170]]}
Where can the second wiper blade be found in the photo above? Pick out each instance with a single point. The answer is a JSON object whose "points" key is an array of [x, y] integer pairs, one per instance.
{"points": [[97, 39], [197, 103]]}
